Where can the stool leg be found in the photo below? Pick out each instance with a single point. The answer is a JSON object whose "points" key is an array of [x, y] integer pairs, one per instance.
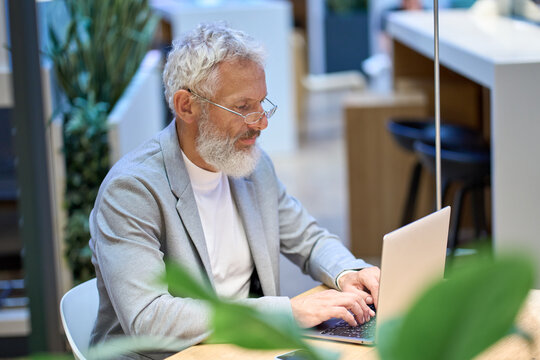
{"points": [[444, 190], [410, 204], [456, 219], [480, 227]]}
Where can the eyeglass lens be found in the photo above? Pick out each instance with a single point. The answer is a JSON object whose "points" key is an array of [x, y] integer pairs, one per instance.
{"points": [[268, 108]]}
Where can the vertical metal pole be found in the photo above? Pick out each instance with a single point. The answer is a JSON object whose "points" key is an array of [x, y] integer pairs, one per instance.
{"points": [[33, 181], [437, 106]]}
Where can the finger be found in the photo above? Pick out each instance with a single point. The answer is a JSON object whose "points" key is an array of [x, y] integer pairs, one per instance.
{"points": [[375, 272], [368, 313], [354, 303], [361, 311], [372, 285], [368, 298], [374, 290], [358, 311], [332, 299], [356, 290], [344, 299], [369, 279], [343, 313]]}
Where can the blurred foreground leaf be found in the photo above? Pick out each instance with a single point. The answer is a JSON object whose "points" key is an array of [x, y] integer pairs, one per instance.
{"points": [[461, 317], [112, 349], [50, 357], [182, 284], [259, 330], [238, 324], [123, 345]]}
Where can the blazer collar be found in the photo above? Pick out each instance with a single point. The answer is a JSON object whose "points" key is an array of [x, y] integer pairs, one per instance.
{"points": [[243, 193], [180, 184], [174, 162]]}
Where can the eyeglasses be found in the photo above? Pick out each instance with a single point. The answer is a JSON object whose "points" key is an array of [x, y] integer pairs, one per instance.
{"points": [[251, 118]]}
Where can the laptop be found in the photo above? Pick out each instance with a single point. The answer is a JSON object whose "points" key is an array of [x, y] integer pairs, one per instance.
{"points": [[413, 257]]}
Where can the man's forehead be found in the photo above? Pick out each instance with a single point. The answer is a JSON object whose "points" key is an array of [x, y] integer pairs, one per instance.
{"points": [[240, 67], [241, 80]]}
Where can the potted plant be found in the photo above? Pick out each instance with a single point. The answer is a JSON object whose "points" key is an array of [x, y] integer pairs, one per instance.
{"points": [[94, 61]]}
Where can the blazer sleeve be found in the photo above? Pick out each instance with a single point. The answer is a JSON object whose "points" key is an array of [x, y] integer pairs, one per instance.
{"points": [[315, 250], [126, 227]]}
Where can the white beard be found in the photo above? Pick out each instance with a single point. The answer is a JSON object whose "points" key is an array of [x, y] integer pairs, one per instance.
{"points": [[219, 151]]}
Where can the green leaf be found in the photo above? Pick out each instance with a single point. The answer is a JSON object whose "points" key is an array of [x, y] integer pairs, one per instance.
{"points": [[461, 317], [254, 329], [388, 337], [112, 349], [44, 356], [239, 324], [181, 283], [323, 354], [250, 328]]}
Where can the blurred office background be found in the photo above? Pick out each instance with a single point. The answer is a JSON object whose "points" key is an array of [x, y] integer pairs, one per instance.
{"points": [[329, 63]]}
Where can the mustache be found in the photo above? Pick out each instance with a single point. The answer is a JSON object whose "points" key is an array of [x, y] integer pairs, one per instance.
{"points": [[249, 134]]}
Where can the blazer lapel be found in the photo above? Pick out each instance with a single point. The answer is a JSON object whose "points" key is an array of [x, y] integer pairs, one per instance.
{"points": [[243, 193], [180, 184]]}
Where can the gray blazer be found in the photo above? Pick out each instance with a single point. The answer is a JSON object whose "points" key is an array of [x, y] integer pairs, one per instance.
{"points": [[146, 211]]}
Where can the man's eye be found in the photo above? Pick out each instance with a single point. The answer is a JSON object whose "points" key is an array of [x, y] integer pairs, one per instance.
{"points": [[243, 107]]}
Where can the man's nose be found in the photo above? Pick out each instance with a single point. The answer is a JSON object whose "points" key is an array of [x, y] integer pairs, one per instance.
{"points": [[260, 125]]}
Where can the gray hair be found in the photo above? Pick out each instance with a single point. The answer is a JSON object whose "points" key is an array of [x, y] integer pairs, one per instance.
{"points": [[193, 60]]}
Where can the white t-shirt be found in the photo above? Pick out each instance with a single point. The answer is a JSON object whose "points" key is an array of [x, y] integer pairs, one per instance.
{"points": [[229, 252]]}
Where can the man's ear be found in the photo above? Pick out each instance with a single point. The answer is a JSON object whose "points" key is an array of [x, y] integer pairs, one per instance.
{"points": [[185, 108]]}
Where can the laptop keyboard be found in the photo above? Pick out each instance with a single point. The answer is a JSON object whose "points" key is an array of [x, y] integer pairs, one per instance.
{"points": [[342, 328]]}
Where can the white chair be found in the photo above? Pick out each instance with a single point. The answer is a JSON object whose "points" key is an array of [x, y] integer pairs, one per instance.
{"points": [[78, 309]]}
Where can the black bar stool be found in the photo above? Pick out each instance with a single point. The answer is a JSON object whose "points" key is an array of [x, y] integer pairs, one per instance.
{"points": [[407, 131], [469, 166]]}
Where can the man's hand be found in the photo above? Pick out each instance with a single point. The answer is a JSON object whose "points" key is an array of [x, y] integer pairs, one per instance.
{"points": [[313, 309], [364, 283]]}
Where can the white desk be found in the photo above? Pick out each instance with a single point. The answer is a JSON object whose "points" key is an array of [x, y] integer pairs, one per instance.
{"points": [[502, 55], [269, 22]]}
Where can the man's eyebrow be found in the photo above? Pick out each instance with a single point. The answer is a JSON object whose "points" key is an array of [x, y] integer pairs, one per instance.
{"points": [[244, 98]]}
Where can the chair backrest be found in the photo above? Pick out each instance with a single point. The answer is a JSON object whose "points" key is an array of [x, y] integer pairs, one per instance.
{"points": [[78, 309]]}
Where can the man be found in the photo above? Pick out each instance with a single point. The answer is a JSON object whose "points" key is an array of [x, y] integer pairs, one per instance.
{"points": [[203, 194]]}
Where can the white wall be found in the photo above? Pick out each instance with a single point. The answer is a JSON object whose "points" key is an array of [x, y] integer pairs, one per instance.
{"points": [[138, 114]]}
